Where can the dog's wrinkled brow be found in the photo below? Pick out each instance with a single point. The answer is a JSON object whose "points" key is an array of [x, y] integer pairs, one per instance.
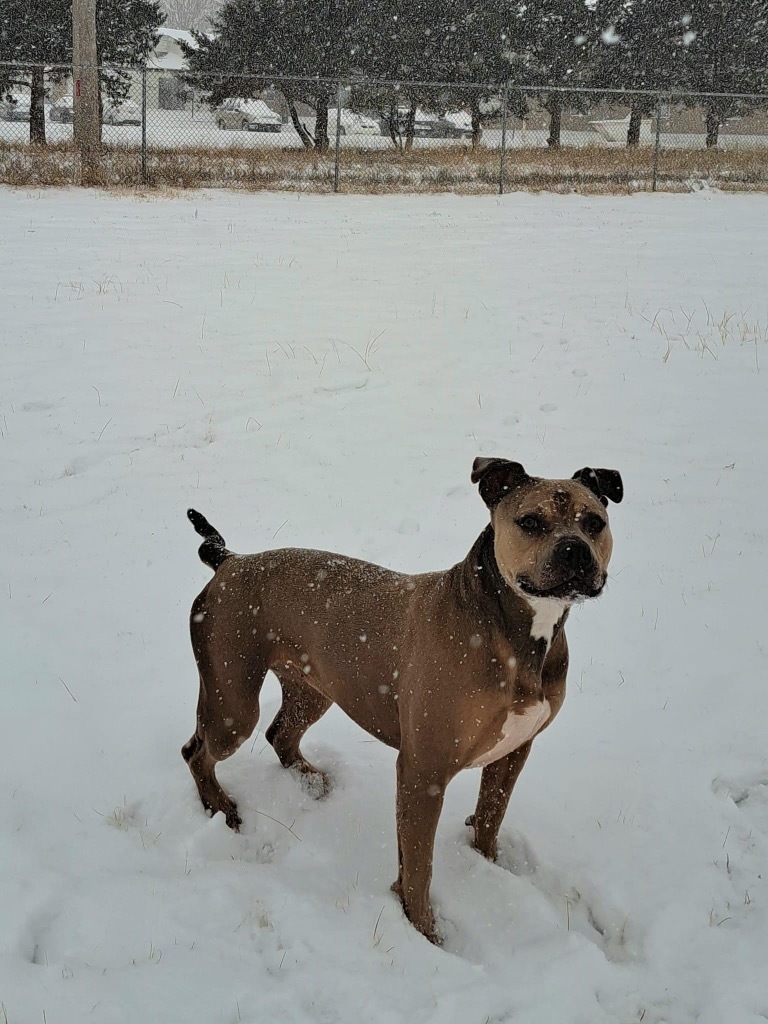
{"points": [[562, 501]]}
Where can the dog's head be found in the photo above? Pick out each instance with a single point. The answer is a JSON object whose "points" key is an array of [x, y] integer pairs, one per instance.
{"points": [[551, 537]]}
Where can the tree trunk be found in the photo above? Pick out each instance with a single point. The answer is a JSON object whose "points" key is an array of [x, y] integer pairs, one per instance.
{"points": [[713, 128], [410, 124], [392, 125], [37, 107], [321, 122], [301, 131], [635, 122], [477, 129], [555, 108]]}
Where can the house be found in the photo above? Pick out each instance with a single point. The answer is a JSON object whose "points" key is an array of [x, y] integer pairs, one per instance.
{"points": [[166, 89]]}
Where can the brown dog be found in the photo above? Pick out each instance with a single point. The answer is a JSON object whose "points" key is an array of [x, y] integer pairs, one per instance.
{"points": [[454, 669]]}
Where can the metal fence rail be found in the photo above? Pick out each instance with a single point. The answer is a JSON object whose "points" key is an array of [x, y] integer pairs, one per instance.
{"points": [[164, 127]]}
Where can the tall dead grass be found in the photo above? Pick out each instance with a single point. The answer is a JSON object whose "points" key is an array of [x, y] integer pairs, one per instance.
{"points": [[590, 169]]}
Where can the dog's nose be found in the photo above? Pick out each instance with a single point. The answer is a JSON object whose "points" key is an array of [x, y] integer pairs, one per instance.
{"points": [[572, 554]]}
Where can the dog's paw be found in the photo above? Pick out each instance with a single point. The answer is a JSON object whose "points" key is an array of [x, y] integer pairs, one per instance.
{"points": [[317, 784], [233, 819], [314, 782], [422, 919], [487, 849]]}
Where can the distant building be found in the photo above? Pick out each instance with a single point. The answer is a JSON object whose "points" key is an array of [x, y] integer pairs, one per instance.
{"points": [[164, 91], [168, 92]]}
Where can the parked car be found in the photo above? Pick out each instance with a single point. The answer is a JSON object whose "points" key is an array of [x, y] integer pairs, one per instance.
{"points": [[352, 123], [247, 115], [456, 124], [14, 108], [425, 125], [121, 112], [63, 110]]}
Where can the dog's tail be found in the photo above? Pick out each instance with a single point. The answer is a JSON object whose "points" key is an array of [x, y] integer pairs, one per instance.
{"points": [[213, 551]]}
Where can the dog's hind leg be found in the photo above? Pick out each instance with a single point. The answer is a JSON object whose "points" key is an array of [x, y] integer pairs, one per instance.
{"points": [[301, 707], [227, 714]]}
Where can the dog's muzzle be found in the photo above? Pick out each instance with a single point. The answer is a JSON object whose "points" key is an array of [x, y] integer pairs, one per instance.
{"points": [[573, 556], [571, 573]]}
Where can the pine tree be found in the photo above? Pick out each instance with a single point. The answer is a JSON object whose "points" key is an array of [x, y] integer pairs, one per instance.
{"points": [[401, 42], [646, 49], [125, 36], [559, 46], [312, 40], [728, 53], [35, 33]]}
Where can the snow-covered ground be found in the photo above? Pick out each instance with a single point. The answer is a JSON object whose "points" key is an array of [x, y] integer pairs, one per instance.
{"points": [[321, 371], [173, 129]]}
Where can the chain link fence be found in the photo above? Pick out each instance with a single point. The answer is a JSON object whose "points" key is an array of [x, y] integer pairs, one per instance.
{"points": [[166, 128]]}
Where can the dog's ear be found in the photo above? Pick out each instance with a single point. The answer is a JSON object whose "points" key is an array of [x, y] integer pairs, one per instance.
{"points": [[497, 478], [605, 483]]}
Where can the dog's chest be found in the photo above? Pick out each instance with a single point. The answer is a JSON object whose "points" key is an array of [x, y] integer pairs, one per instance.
{"points": [[517, 730]]}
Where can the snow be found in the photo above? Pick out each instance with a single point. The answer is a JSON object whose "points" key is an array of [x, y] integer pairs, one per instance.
{"points": [[196, 126], [321, 371], [179, 35]]}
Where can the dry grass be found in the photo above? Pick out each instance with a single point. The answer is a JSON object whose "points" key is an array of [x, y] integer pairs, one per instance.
{"points": [[593, 169]]}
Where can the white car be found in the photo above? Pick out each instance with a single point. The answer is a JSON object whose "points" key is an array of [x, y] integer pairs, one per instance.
{"points": [[456, 124], [14, 108], [121, 112], [247, 115], [425, 123], [63, 110], [352, 123]]}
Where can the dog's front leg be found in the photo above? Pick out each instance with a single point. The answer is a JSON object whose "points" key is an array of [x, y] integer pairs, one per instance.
{"points": [[496, 785], [420, 794]]}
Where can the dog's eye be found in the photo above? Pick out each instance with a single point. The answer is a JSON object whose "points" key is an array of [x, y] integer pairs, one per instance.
{"points": [[593, 525], [532, 524]]}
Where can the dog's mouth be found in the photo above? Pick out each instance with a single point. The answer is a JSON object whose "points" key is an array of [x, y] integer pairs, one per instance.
{"points": [[574, 588]]}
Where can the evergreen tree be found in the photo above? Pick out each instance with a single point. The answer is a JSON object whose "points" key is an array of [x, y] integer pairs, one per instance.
{"points": [[645, 50], [402, 43], [312, 40], [560, 46], [456, 41], [728, 52], [479, 51], [126, 33], [34, 33]]}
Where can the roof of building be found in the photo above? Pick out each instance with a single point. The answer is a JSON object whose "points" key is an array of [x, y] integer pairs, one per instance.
{"points": [[179, 34], [171, 59]]}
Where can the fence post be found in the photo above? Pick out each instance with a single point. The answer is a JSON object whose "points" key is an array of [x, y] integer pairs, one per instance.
{"points": [[338, 138], [504, 96], [658, 142], [144, 125]]}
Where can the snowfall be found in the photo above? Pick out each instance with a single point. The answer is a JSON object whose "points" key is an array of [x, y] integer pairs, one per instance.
{"points": [[321, 372]]}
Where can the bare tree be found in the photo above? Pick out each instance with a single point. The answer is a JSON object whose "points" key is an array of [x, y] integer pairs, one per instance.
{"points": [[190, 14]]}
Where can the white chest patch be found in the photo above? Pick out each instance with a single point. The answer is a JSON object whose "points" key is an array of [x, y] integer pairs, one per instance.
{"points": [[547, 612], [516, 731]]}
